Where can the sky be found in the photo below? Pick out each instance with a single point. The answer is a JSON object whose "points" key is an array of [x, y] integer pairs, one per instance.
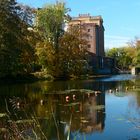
{"points": [[121, 17]]}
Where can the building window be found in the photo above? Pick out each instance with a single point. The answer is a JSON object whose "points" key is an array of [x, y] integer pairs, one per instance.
{"points": [[89, 46], [88, 30]]}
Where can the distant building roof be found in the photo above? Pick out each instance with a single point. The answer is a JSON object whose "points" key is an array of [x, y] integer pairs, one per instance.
{"points": [[87, 16]]}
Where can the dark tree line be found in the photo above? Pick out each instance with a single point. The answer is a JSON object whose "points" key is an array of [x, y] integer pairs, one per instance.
{"points": [[35, 39], [16, 50]]}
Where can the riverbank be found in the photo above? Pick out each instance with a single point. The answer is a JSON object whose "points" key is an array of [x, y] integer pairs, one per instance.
{"points": [[30, 78], [18, 79]]}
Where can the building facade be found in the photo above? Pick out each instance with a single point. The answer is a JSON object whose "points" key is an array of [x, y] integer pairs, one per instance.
{"points": [[94, 30], [93, 26]]}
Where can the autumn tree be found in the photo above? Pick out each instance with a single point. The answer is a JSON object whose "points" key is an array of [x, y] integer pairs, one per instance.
{"points": [[61, 53], [122, 57], [72, 51], [50, 22], [16, 51]]}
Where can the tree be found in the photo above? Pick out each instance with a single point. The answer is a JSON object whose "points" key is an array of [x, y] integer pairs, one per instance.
{"points": [[70, 58], [112, 53], [50, 22], [16, 51], [135, 51], [46, 56], [72, 53], [122, 57], [60, 53]]}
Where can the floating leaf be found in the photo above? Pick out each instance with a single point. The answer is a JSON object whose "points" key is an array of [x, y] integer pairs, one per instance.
{"points": [[120, 94], [3, 129], [120, 119], [84, 121], [62, 122], [99, 107], [82, 118], [24, 121], [3, 115]]}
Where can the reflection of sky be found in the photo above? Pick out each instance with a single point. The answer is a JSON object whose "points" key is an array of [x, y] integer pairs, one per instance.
{"points": [[119, 78], [117, 125]]}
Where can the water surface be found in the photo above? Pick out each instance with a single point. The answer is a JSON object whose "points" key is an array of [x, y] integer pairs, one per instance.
{"points": [[100, 109]]}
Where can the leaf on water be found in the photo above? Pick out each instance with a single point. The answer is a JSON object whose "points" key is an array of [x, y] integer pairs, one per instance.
{"points": [[84, 121], [10, 121], [82, 118], [99, 107], [3, 129], [62, 122], [120, 94], [120, 119], [24, 121], [3, 115]]}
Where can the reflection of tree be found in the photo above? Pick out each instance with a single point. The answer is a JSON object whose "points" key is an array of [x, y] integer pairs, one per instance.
{"points": [[138, 98], [87, 112], [44, 113], [137, 87]]}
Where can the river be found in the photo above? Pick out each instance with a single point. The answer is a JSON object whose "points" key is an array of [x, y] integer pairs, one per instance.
{"points": [[100, 109]]}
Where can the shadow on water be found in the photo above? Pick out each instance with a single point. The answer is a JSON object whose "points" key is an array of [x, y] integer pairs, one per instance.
{"points": [[69, 110]]}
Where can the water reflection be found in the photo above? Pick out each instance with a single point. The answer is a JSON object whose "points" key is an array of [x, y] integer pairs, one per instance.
{"points": [[64, 110], [87, 114]]}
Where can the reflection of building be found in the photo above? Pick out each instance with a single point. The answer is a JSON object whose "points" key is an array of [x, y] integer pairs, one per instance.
{"points": [[94, 113], [87, 110], [94, 29]]}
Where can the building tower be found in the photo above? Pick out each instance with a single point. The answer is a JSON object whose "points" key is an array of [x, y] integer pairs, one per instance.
{"points": [[93, 26]]}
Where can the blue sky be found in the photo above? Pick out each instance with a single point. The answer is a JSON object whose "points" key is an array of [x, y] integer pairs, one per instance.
{"points": [[121, 17]]}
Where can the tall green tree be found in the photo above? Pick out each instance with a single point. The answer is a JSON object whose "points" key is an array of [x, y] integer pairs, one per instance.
{"points": [[135, 51], [61, 53], [136, 54], [122, 57], [50, 22]]}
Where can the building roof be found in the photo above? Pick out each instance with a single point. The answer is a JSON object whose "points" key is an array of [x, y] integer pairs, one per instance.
{"points": [[87, 16]]}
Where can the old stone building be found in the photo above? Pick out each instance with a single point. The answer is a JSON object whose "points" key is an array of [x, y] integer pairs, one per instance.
{"points": [[93, 26], [94, 29]]}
